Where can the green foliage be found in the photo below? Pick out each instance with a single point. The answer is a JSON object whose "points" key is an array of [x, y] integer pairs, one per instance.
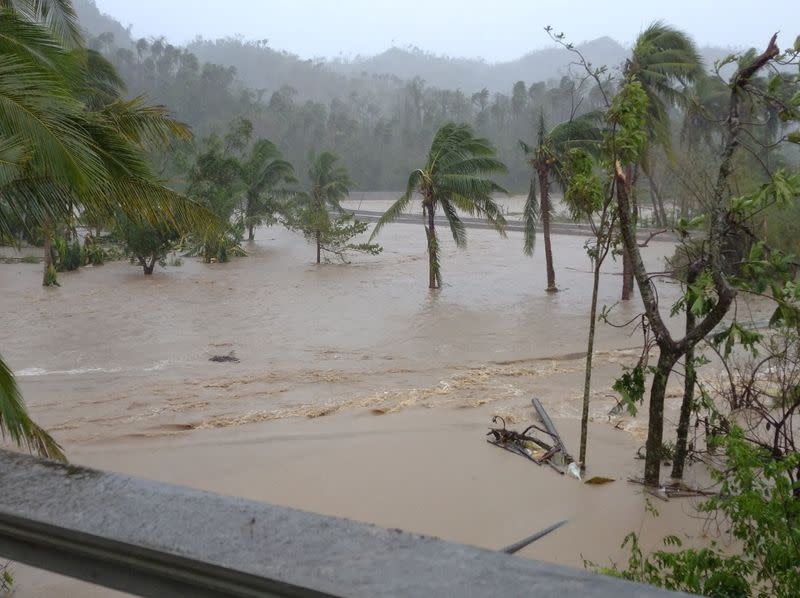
{"points": [[6, 578], [759, 498], [584, 193], [244, 186], [663, 61], [698, 297], [733, 334], [67, 256], [630, 387], [336, 233], [93, 254], [145, 243], [318, 214], [50, 276], [627, 120]]}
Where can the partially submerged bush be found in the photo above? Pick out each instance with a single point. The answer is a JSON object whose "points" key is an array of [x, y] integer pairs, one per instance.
{"points": [[759, 501]]}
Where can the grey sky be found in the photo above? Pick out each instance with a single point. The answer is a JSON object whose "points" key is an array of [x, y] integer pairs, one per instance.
{"points": [[496, 30]]}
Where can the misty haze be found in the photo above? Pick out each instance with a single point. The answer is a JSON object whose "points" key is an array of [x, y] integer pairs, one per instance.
{"points": [[333, 256]]}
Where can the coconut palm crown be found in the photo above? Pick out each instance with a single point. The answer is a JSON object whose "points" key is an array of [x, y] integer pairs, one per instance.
{"points": [[455, 177]]}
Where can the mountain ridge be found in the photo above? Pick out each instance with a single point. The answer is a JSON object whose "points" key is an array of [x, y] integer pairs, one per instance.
{"points": [[265, 68]]}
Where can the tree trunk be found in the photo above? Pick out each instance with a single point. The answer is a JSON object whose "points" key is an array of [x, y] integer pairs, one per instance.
{"points": [[627, 264], [688, 390], [718, 214], [544, 185], [251, 233], [659, 211], [655, 425], [48, 256], [434, 279], [627, 276], [587, 384], [147, 266], [319, 246]]}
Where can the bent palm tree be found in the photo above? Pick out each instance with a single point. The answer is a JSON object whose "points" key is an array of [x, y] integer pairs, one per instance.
{"points": [[662, 57], [455, 178], [547, 159]]}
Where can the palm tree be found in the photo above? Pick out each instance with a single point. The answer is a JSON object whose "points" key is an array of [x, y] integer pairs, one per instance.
{"points": [[264, 173], [703, 112], [547, 159], [60, 149], [455, 178], [330, 184], [661, 58]]}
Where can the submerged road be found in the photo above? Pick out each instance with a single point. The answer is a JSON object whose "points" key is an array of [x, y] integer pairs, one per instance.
{"points": [[556, 228]]}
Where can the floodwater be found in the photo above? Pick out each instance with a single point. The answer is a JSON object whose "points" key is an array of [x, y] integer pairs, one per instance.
{"points": [[358, 392], [112, 353]]}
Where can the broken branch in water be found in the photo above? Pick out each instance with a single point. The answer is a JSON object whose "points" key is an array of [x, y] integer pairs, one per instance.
{"points": [[531, 447], [673, 490]]}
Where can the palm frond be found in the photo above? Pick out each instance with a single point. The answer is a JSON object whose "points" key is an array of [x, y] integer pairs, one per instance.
{"points": [[530, 219], [457, 228], [34, 200], [663, 57], [17, 424], [38, 109], [57, 15], [14, 153], [400, 205], [144, 124], [34, 43], [100, 83]]}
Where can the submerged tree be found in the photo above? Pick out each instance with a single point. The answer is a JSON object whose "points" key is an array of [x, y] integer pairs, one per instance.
{"points": [[146, 243], [319, 215], [265, 174], [455, 177]]}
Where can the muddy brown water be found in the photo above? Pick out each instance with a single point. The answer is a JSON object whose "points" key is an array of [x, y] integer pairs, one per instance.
{"points": [[358, 391], [112, 352]]}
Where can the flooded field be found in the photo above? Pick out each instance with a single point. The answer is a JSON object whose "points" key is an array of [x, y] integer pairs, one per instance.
{"points": [[350, 377], [112, 353]]}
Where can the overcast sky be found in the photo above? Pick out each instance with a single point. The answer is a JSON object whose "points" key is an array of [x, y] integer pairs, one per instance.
{"points": [[495, 30]]}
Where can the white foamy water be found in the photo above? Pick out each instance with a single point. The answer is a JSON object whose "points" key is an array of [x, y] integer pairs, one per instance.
{"points": [[37, 372]]}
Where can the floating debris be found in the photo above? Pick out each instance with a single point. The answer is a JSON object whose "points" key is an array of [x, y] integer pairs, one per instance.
{"points": [[551, 452], [229, 358], [673, 490], [599, 480]]}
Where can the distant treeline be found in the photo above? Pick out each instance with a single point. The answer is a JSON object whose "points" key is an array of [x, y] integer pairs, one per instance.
{"points": [[382, 124], [380, 127]]}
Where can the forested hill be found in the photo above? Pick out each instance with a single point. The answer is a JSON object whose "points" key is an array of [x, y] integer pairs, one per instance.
{"points": [[378, 114]]}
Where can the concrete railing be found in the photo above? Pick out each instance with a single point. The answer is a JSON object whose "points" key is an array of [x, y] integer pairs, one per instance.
{"points": [[154, 539]]}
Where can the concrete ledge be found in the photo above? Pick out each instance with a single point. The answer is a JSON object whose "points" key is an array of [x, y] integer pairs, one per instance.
{"points": [[155, 539]]}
